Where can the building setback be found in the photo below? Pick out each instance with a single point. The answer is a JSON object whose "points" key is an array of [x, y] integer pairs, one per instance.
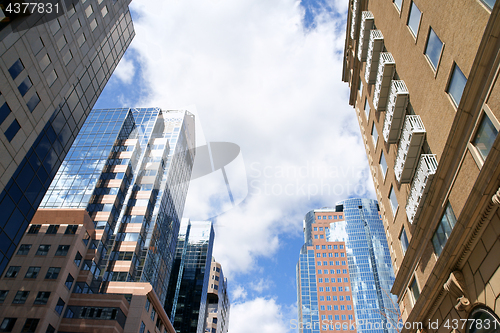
{"points": [[423, 78], [53, 68], [344, 273], [129, 172]]}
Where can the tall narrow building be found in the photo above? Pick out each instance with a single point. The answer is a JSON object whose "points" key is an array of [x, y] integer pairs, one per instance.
{"points": [[218, 306], [53, 68], [344, 273], [186, 302], [118, 196], [423, 79]]}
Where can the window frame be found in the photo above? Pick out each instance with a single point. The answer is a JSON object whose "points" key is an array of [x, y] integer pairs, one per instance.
{"points": [[394, 210], [384, 172], [438, 62], [441, 225], [375, 140], [476, 154], [411, 291], [450, 80], [414, 34], [401, 233]]}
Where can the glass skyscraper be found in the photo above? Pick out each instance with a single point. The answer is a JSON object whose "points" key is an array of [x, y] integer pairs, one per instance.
{"points": [[53, 68], [186, 302], [130, 170], [344, 273]]}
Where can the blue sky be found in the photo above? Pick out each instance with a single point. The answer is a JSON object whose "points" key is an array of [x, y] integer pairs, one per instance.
{"points": [[265, 75]]}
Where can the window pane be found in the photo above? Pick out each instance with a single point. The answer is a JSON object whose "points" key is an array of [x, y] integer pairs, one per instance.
{"points": [[457, 84], [394, 200], [404, 241], [433, 48], [374, 134], [383, 164], [367, 108], [414, 19], [11, 132], [485, 136], [489, 3], [398, 3], [444, 229]]}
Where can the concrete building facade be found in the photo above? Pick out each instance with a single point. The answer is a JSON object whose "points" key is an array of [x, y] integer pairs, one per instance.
{"points": [[53, 68], [423, 78]]}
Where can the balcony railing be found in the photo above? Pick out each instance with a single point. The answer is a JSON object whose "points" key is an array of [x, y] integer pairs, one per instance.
{"points": [[426, 169], [364, 34], [412, 139], [375, 46], [355, 7], [385, 72], [396, 109]]}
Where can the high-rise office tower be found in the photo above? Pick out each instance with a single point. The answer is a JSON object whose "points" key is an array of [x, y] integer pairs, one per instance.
{"points": [[186, 302], [121, 191], [344, 273], [52, 69], [218, 306], [423, 78]]}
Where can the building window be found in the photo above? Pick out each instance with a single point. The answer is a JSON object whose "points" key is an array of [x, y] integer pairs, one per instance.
{"points": [[32, 272], [367, 109], [52, 273], [25, 86], [104, 11], [414, 291], [62, 250], [414, 19], [444, 229], [11, 132], [383, 164], [76, 25], [398, 4], [69, 281], [33, 102], [30, 325], [34, 229], [61, 42], [403, 239], [24, 249], [16, 69], [456, 85], [51, 78], [60, 306], [489, 3], [3, 295], [50, 329], [42, 297], [374, 134], [7, 324], [81, 40], [52, 229], [485, 136], [4, 112], [394, 201], [21, 297], [71, 229], [433, 48], [43, 250], [12, 271]]}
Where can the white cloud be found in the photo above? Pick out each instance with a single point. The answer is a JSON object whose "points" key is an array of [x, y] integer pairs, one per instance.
{"points": [[261, 285], [258, 80], [125, 70], [238, 293], [258, 315]]}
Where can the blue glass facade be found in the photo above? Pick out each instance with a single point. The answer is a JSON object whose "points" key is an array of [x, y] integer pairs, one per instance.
{"points": [[186, 302], [307, 292], [130, 169], [370, 267]]}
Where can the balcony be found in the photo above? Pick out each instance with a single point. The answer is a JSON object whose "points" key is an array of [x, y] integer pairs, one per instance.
{"points": [[385, 72], [375, 46], [426, 169], [412, 139], [355, 7], [396, 110], [364, 34]]}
